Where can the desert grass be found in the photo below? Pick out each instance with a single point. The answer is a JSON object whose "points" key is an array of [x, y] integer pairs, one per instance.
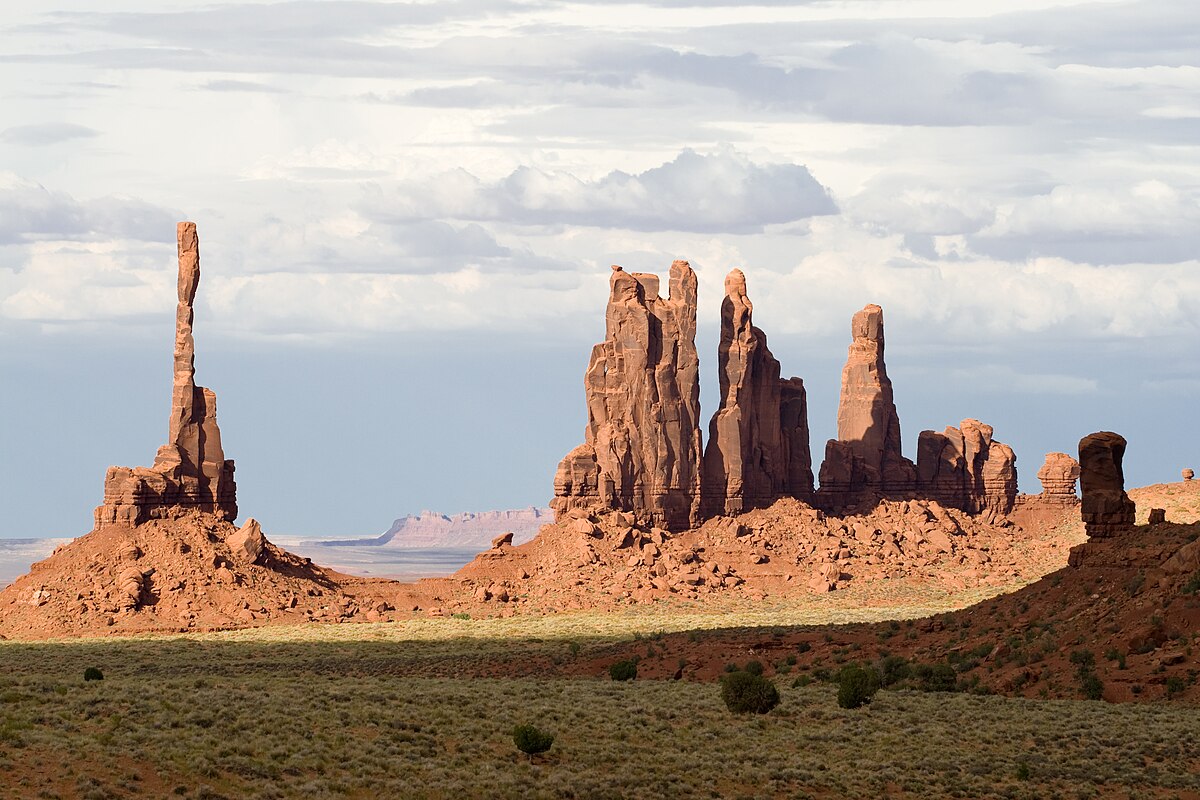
{"points": [[276, 736], [378, 711]]}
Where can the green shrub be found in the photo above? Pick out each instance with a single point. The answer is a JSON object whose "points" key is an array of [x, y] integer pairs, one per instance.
{"points": [[1091, 685], [893, 669], [934, 677], [857, 685], [1175, 685], [1193, 584], [753, 667], [746, 693], [623, 670], [1084, 658], [93, 674], [531, 739]]}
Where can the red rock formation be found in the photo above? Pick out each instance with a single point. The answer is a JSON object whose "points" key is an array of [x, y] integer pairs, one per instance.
{"points": [[190, 471], [1058, 476], [757, 447], [866, 456], [966, 469], [1107, 510], [642, 446]]}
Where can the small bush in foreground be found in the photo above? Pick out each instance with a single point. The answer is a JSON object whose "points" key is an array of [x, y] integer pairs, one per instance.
{"points": [[857, 685], [623, 670], [746, 693], [530, 739], [93, 674]]}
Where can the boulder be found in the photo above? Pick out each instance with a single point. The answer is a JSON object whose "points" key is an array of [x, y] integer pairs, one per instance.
{"points": [[503, 539], [246, 543]]}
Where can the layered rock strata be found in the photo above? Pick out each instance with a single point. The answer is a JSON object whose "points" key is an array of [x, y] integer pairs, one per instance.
{"points": [[866, 458], [1106, 509], [966, 468], [1058, 475], [758, 449], [190, 471], [642, 447]]}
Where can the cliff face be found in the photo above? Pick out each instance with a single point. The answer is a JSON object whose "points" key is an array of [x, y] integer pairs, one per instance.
{"points": [[641, 450], [190, 471], [758, 439]]}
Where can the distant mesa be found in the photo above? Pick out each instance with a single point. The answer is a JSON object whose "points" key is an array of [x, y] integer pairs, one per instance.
{"points": [[470, 529]]}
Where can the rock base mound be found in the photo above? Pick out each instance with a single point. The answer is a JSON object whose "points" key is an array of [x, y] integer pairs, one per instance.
{"points": [[599, 558], [186, 571]]}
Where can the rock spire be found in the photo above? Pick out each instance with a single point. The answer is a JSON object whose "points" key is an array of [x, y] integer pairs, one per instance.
{"points": [[1106, 509], [190, 471], [866, 456], [758, 449], [642, 449]]}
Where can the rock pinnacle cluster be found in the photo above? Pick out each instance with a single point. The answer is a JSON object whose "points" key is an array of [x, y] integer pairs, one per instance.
{"points": [[190, 471], [642, 445]]}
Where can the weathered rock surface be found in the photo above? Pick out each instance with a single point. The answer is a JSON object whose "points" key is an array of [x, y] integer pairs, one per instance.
{"points": [[642, 445], [758, 449], [1188, 474], [190, 471], [1106, 509], [866, 456], [966, 468], [1058, 475], [192, 571]]}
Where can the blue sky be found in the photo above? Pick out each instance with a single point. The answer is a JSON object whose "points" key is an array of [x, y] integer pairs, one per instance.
{"points": [[407, 213]]}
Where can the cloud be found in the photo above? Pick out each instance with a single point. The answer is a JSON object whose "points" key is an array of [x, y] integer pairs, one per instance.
{"points": [[29, 212], [1149, 221], [45, 134], [722, 192], [228, 85]]}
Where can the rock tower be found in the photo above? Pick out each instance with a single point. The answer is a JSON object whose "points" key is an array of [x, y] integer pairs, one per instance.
{"points": [[758, 448], [642, 448], [190, 471]]}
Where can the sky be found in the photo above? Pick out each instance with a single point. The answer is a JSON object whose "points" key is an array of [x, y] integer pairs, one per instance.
{"points": [[407, 213]]}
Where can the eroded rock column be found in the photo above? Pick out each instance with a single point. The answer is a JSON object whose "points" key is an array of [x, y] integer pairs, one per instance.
{"points": [[190, 471], [758, 439], [642, 446], [1106, 509]]}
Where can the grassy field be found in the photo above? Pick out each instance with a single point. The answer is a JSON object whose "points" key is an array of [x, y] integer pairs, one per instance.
{"points": [[385, 711]]}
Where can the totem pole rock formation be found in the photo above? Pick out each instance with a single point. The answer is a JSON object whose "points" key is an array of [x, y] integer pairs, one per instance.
{"points": [[1107, 510], [966, 468], [642, 448], [866, 456], [758, 447], [1058, 476], [190, 471]]}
